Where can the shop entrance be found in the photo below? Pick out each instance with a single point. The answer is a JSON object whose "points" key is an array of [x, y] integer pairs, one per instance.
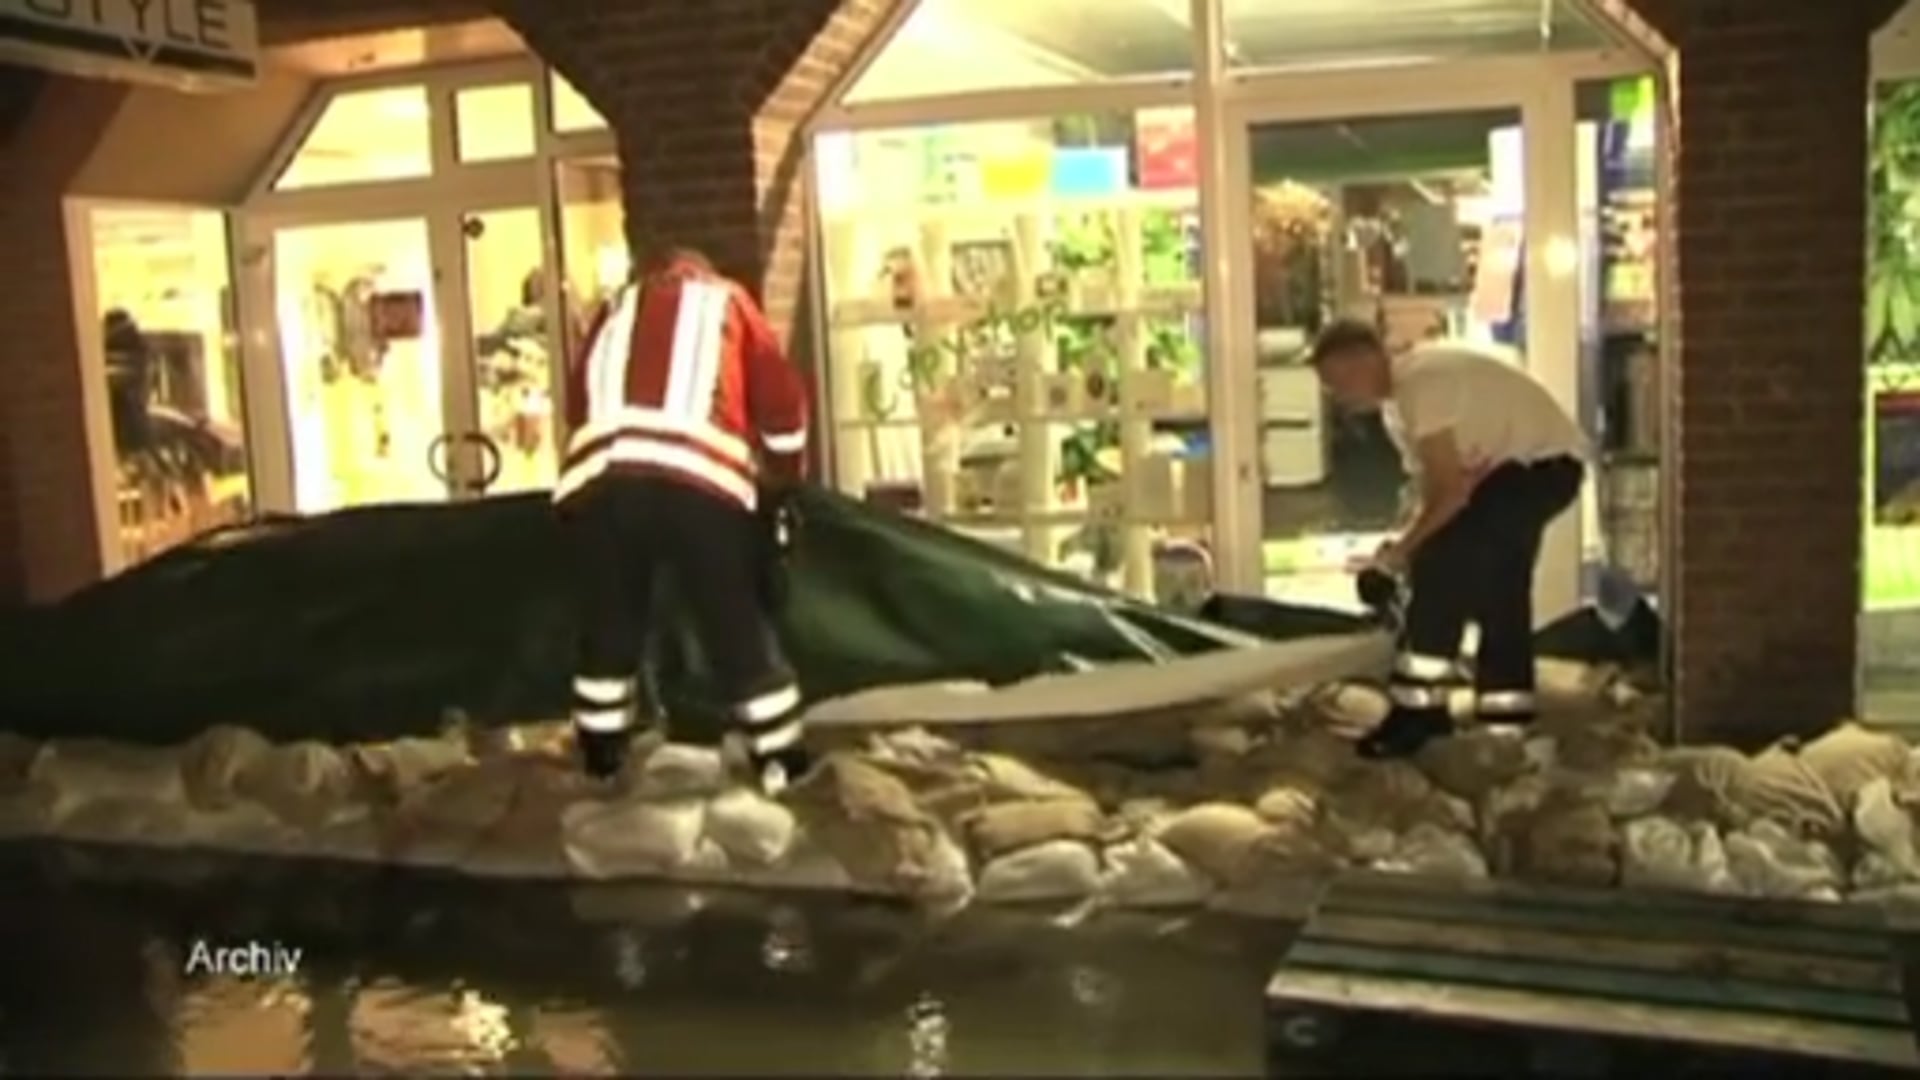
{"points": [[414, 355], [405, 288], [1360, 199]]}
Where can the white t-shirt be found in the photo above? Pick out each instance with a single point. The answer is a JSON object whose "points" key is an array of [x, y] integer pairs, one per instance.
{"points": [[1497, 412]]}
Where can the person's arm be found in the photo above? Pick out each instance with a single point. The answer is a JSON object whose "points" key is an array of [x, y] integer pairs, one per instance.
{"points": [[1445, 485], [574, 393], [776, 396]]}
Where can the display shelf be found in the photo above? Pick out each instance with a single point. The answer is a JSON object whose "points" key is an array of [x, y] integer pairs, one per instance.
{"points": [[1048, 319]]}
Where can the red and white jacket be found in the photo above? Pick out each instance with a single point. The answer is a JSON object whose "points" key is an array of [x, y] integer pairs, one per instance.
{"points": [[683, 379]]}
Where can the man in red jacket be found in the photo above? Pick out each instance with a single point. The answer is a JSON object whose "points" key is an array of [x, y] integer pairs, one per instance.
{"points": [[687, 429]]}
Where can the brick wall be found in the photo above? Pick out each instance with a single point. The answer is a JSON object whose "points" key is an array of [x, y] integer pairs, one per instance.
{"points": [[1767, 189], [708, 99], [49, 472]]}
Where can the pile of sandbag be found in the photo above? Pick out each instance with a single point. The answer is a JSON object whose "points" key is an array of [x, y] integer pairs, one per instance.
{"points": [[1269, 805]]}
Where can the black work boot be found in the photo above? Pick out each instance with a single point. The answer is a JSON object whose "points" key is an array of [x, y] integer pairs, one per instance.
{"points": [[1404, 732], [603, 754], [775, 773]]}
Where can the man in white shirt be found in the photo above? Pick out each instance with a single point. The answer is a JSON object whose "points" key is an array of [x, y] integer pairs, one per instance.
{"points": [[1494, 459]]}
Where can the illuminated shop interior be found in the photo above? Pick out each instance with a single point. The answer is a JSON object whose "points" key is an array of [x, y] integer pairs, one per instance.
{"points": [[1066, 266]]}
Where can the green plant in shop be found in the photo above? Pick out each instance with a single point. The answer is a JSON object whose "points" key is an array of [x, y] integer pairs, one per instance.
{"points": [[1893, 230], [1163, 248], [1171, 348], [1085, 243]]}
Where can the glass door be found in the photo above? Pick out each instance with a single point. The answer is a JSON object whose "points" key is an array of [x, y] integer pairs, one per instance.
{"points": [[360, 362], [1412, 223], [509, 444]]}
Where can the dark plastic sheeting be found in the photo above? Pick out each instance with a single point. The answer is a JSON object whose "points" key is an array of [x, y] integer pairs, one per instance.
{"points": [[372, 623]]}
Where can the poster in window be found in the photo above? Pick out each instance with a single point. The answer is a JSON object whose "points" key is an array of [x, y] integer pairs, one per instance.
{"points": [[1896, 472], [1168, 149], [397, 316]]}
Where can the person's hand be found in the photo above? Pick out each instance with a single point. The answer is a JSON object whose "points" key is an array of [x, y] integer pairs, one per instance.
{"points": [[1391, 557]]}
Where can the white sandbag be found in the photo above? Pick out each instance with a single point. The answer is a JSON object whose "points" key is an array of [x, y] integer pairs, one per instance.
{"points": [[404, 766], [137, 822], [212, 762], [916, 746], [611, 839], [1431, 851], [304, 783], [1057, 870], [1220, 740], [1142, 872], [1850, 756], [1637, 792], [82, 770], [351, 834], [244, 828], [442, 823], [709, 862], [1351, 709], [751, 828], [947, 883], [1660, 853], [1885, 828], [1364, 844], [1217, 838], [679, 771], [1769, 861], [1873, 871]]}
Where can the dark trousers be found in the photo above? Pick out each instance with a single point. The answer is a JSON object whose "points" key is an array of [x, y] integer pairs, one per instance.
{"points": [[1479, 568], [624, 533]]}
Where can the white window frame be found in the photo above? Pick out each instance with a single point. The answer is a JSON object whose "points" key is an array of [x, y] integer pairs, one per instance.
{"points": [[1226, 102], [442, 199]]}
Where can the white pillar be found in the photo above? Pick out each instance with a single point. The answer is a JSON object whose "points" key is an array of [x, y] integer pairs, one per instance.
{"points": [[1553, 305]]}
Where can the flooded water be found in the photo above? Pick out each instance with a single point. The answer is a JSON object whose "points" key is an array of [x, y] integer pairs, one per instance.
{"points": [[409, 973]]}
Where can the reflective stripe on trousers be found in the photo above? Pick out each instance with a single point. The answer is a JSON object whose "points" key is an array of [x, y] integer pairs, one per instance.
{"points": [[1422, 682], [1495, 704], [602, 704], [771, 720]]}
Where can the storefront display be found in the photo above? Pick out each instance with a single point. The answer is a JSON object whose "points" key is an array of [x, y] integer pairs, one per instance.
{"points": [[1411, 224], [173, 383], [1892, 564], [1620, 347], [1014, 345]]}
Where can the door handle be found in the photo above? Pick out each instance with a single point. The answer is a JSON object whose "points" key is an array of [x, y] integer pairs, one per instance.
{"points": [[491, 461], [440, 458]]}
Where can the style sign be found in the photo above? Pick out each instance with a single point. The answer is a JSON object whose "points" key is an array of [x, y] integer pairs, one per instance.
{"points": [[181, 44]]}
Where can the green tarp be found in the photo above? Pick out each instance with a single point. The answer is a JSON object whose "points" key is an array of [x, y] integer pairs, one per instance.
{"points": [[372, 623]]}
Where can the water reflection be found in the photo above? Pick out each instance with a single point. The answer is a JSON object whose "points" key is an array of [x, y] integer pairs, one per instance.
{"points": [[408, 974]]}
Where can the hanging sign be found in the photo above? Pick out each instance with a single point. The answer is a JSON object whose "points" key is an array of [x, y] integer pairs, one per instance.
{"points": [[1168, 149], [180, 44]]}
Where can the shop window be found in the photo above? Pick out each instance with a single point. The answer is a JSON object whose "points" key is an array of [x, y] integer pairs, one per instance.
{"points": [[1617, 176], [173, 376], [962, 46], [364, 136], [1351, 33], [1015, 347], [494, 123], [593, 242], [1410, 223], [1891, 557], [572, 112]]}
